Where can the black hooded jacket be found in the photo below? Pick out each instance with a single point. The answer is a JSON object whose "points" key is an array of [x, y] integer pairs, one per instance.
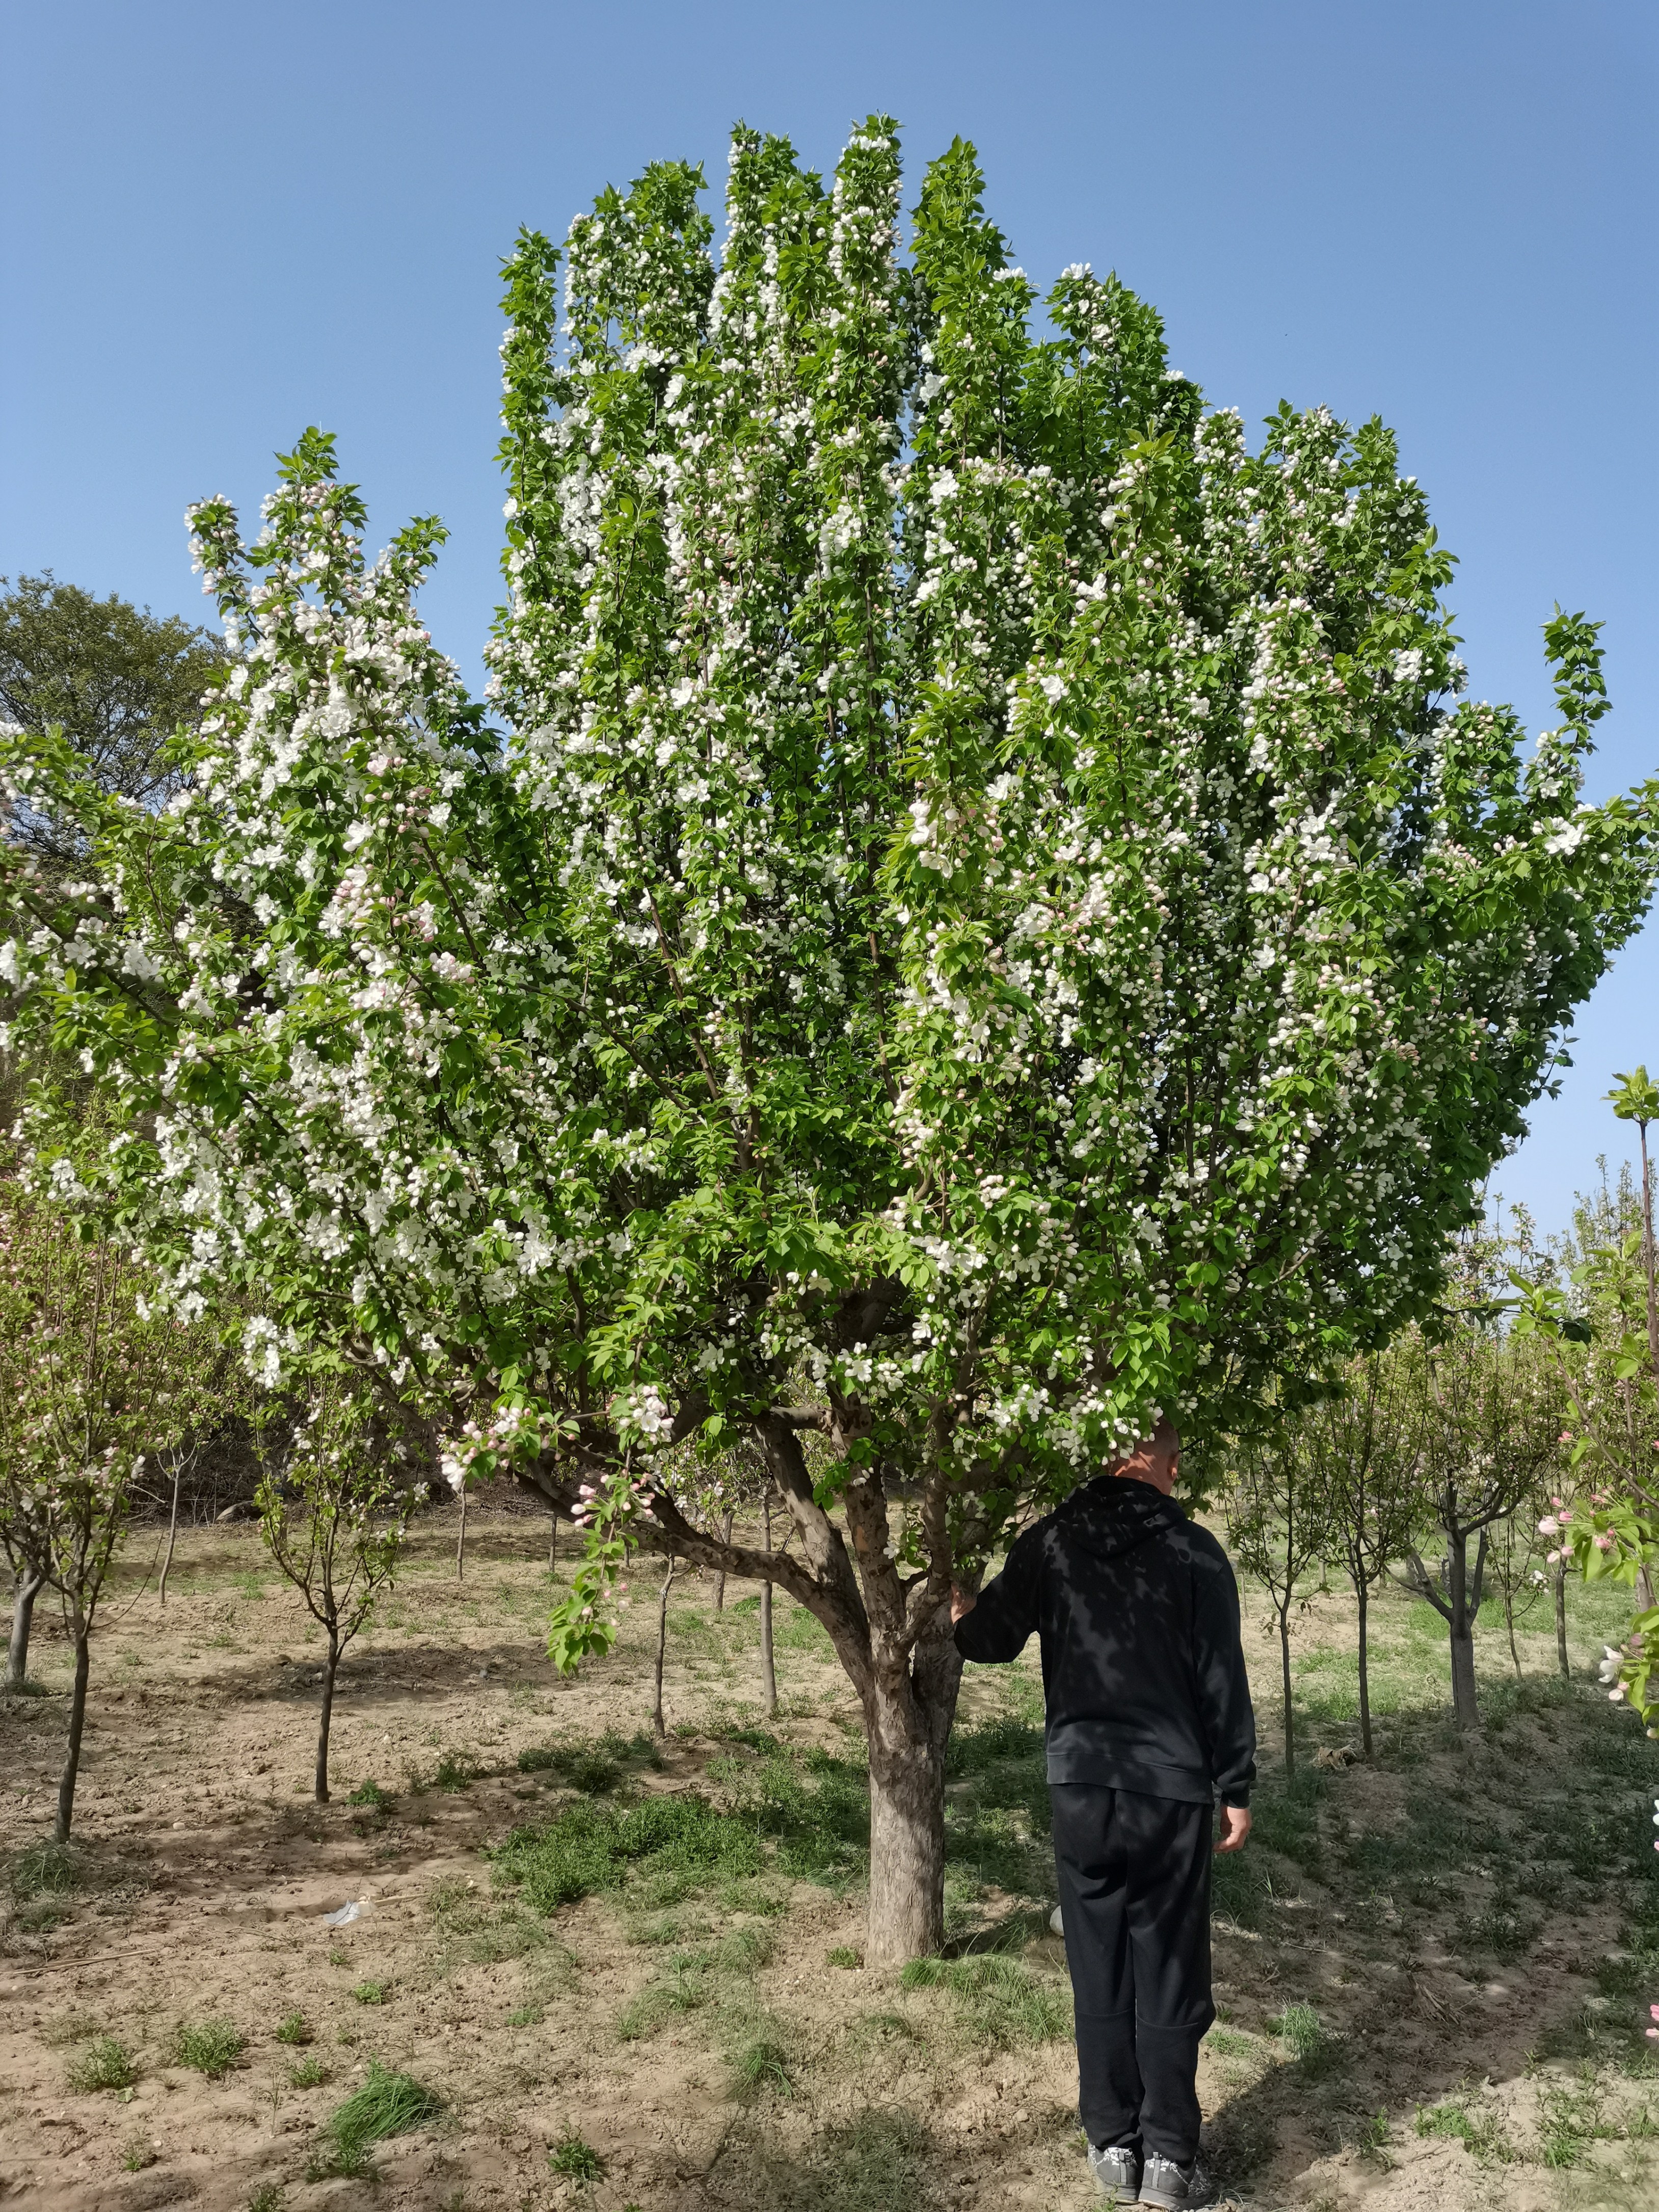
{"points": [[1143, 1670]]}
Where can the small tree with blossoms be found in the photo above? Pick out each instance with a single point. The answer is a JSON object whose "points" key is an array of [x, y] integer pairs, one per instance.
{"points": [[91, 1380], [334, 1508], [986, 922], [1600, 1327]]}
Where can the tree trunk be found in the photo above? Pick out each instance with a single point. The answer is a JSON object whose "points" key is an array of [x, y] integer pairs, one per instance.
{"points": [[28, 1588], [460, 1536], [60, 1833], [1644, 1595], [324, 1719], [659, 1719], [1463, 1600], [1290, 1716], [768, 1674], [173, 1528], [553, 1543], [1362, 1593], [908, 1711], [1509, 1622], [1561, 1659], [719, 1579]]}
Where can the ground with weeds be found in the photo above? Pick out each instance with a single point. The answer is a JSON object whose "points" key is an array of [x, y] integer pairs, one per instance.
{"points": [[585, 1968]]}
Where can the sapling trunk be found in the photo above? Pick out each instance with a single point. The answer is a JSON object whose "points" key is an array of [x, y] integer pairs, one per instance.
{"points": [[326, 1717], [29, 1586], [460, 1537], [1509, 1622], [553, 1543], [60, 1833], [1462, 1603], [1561, 1659], [658, 1722], [1284, 1659], [769, 1677], [1362, 1592], [719, 1579], [173, 1530]]}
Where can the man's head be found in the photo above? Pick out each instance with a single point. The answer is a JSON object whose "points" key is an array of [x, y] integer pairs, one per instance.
{"points": [[1155, 1459]]}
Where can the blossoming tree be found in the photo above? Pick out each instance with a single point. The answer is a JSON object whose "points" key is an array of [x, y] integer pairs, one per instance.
{"points": [[986, 922]]}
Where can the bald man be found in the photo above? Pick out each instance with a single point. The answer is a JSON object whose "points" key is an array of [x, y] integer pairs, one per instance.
{"points": [[1149, 1731]]}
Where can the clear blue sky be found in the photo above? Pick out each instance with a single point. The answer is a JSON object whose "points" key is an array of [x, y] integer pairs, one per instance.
{"points": [[221, 223]]}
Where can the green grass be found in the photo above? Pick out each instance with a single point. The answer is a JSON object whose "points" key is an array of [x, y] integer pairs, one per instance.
{"points": [[209, 2046], [1480, 2133], [43, 1870], [843, 1954], [997, 1998], [478, 1930], [294, 2027], [267, 2197], [574, 2159], [457, 1770], [388, 2104], [137, 2155], [104, 2064], [371, 1794], [760, 2064], [673, 1845], [309, 2073], [372, 1993]]}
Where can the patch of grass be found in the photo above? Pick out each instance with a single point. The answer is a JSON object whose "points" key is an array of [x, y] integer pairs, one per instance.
{"points": [[294, 2027], [1481, 2134], [267, 2197], [43, 1870], [309, 2073], [843, 1954], [136, 2154], [69, 2027], [210, 2046], [683, 1987], [371, 1794], [477, 1929], [104, 2064], [527, 2015], [883, 2160], [682, 1842], [372, 1993], [575, 2160], [759, 2064], [456, 1771], [1302, 2031], [1002, 2001], [387, 2103]]}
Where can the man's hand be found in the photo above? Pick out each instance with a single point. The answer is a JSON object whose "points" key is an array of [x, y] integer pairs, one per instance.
{"points": [[1234, 1827], [961, 1601]]}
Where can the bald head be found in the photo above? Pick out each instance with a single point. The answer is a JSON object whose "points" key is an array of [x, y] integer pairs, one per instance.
{"points": [[1155, 1459]]}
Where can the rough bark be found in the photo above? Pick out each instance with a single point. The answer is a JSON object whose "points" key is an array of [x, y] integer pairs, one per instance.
{"points": [[908, 1715], [28, 1588], [60, 1833], [326, 1717], [1462, 1603]]}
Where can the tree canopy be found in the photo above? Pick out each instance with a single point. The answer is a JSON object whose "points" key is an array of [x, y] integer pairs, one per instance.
{"points": [[988, 919]]}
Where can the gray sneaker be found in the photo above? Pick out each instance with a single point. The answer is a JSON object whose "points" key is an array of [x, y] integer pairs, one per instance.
{"points": [[1118, 2172], [1177, 2188]]}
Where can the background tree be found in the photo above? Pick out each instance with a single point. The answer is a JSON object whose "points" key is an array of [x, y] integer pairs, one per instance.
{"points": [[89, 1381], [118, 680], [1493, 1412], [1359, 1451], [1277, 1527], [986, 924], [333, 1507]]}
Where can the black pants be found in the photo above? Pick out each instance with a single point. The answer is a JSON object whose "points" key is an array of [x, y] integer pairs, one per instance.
{"points": [[1134, 1895]]}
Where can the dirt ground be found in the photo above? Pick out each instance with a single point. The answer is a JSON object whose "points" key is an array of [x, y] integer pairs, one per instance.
{"points": [[1431, 1969]]}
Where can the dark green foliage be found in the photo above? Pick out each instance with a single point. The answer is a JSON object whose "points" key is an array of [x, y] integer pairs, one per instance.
{"points": [[118, 680], [372, 1795], [594, 1768]]}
